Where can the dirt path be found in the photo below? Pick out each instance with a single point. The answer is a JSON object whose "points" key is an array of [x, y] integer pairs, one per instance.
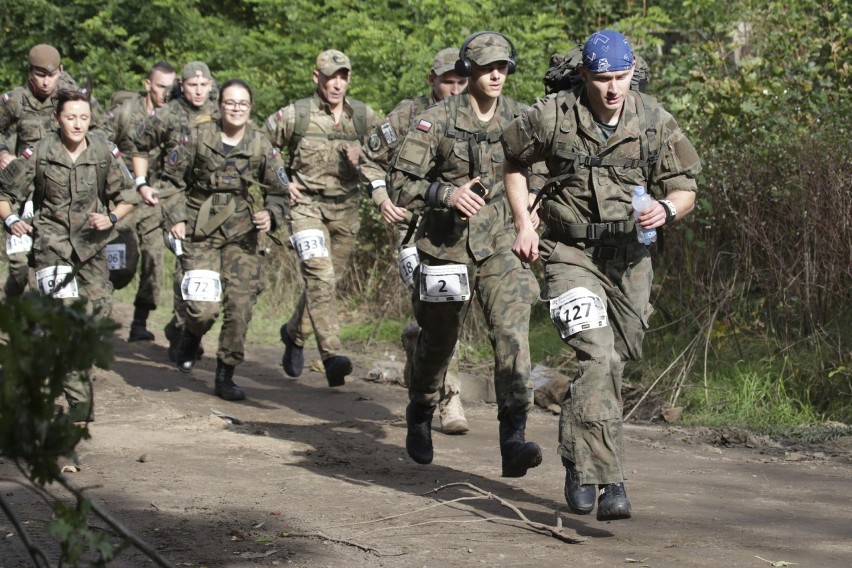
{"points": [[300, 458]]}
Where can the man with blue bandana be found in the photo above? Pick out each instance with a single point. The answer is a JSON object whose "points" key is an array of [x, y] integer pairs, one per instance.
{"points": [[599, 141]]}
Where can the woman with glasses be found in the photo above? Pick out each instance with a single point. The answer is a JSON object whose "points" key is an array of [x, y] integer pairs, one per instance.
{"points": [[229, 167]]}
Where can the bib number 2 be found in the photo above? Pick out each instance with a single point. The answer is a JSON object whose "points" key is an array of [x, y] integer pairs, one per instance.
{"points": [[445, 283]]}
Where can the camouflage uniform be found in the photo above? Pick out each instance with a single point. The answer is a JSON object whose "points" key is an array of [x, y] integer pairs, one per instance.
{"points": [[590, 243], [24, 120], [375, 162], [217, 207], [67, 193], [330, 204], [158, 138], [127, 119], [505, 288]]}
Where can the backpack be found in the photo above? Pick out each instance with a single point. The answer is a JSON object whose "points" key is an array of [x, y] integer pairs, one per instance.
{"points": [[121, 110], [563, 74], [303, 118]]}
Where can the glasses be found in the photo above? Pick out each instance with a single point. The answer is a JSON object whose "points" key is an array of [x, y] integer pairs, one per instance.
{"points": [[236, 105]]}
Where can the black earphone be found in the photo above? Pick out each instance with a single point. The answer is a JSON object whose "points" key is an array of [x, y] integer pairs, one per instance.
{"points": [[464, 68]]}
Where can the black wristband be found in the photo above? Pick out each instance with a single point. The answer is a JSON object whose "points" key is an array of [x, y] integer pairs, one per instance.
{"points": [[433, 194]]}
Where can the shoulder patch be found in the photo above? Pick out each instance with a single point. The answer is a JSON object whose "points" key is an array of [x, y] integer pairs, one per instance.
{"points": [[424, 125], [6, 97], [388, 132], [276, 152], [282, 176], [374, 143], [115, 152], [270, 123], [27, 153]]}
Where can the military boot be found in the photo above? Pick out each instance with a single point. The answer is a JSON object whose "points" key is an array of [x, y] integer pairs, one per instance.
{"points": [[452, 416], [409, 342], [418, 440], [612, 503], [173, 333], [139, 326], [518, 454], [187, 353], [225, 387], [336, 369], [293, 360], [580, 498]]}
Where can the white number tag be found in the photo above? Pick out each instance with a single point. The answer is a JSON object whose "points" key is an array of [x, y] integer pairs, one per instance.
{"points": [[116, 256], [445, 283], [14, 244], [29, 210], [201, 286], [175, 244], [309, 243], [52, 276], [408, 261], [577, 310]]}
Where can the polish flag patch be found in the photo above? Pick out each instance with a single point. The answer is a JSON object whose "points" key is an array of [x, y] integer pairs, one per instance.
{"points": [[115, 152], [424, 125], [27, 153], [6, 98]]}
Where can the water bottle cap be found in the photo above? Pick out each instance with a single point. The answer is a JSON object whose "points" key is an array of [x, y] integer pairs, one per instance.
{"points": [[638, 190]]}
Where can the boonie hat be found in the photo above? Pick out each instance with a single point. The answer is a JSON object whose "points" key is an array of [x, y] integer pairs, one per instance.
{"points": [[607, 50], [445, 61], [44, 56], [331, 61], [488, 48], [194, 68]]}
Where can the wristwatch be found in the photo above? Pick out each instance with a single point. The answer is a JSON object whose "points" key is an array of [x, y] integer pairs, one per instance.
{"points": [[112, 218]]}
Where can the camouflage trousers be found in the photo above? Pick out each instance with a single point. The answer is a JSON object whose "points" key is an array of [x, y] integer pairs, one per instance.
{"points": [[241, 275], [19, 274], [318, 300], [92, 283], [148, 222], [505, 290], [590, 426]]}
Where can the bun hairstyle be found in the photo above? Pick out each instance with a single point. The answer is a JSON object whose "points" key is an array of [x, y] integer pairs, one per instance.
{"points": [[69, 95]]}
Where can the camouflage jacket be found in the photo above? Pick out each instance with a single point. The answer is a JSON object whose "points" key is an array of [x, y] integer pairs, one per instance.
{"points": [[159, 136], [219, 183], [66, 193], [474, 150], [24, 119], [563, 134], [383, 142], [125, 120], [319, 160]]}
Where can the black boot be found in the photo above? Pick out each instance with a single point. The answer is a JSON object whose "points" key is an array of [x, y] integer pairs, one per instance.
{"points": [[580, 498], [612, 503], [293, 360], [518, 454], [173, 334], [225, 387], [418, 440], [139, 326], [187, 353], [336, 369]]}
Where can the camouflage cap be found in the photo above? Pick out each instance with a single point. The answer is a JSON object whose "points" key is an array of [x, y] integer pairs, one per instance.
{"points": [[488, 48], [445, 61], [44, 56], [331, 61], [195, 68]]}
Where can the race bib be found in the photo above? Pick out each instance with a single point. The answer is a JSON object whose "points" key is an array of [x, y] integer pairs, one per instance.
{"points": [[445, 283], [577, 310], [408, 261], [201, 286], [14, 244], [309, 243], [29, 210], [116, 254], [49, 278]]}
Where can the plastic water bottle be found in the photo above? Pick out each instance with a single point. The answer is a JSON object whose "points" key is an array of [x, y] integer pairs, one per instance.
{"points": [[641, 201]]}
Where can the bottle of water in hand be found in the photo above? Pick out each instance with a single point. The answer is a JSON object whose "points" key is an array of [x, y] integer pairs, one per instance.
{"points": [[641, 201]]}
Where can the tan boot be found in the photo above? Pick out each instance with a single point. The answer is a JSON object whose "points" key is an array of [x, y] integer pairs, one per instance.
{"points": [[452, 415]]}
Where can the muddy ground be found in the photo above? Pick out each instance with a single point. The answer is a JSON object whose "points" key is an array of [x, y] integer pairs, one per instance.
{"points": [[304, 475]]}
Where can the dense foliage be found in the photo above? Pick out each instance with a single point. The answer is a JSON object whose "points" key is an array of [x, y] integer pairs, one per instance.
{"points": [[761, 87]]}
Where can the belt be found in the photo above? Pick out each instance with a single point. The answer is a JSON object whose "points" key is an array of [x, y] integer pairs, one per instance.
{"points": [[609, 252], [613, 231], [336, 199]]}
